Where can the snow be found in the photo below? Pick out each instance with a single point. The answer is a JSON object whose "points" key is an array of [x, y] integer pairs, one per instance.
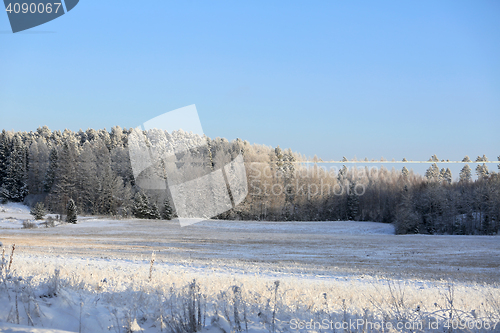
{"points": [[12, 215], [12, 328], [95, 276]]}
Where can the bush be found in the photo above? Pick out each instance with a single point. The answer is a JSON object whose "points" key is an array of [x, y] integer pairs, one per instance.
{"points": [[27, 224], [50, 222]]}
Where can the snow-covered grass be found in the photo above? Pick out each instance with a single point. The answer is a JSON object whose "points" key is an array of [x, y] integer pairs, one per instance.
{"points": [[98, 295], [224, 276], [16, 216]]}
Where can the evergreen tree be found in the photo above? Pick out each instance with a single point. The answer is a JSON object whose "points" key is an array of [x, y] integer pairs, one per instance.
{"points": [[88, 183], [466, 159], [154, 212], [66, 176], [168, 212], [4, 155], [39, 158], [280, 165], [447, 176], [482, 171], [407, 220], [38, 211], [51, 171], [342, 175], [432, 174], [465, 174], [71, 212], [352, 203], [441, 174], [289, 174], [405, 172], [15, 182], [140, 208]]}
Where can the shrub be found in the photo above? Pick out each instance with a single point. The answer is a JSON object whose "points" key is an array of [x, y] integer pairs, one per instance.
{"points": [[27, 224]]}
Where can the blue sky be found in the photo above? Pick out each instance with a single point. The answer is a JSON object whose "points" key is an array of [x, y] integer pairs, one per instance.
{"points": [[333, 78]]}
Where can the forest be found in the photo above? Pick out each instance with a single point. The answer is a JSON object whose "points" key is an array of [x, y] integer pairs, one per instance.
{"points": [[92, 170]]}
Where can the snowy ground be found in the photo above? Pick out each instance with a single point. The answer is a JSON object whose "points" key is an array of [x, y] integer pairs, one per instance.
{"points": [[94, 276]]}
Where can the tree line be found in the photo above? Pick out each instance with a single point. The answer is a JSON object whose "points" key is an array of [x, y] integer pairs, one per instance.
{"points": [[93, 169]]}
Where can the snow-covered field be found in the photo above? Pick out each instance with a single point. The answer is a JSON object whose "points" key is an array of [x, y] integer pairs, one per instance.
{"points": [[225, 276]]}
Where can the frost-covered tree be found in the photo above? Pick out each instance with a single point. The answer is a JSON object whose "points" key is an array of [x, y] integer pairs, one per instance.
{"points": [[280, 164], [66, 176], [466, 159], [15, 182], [154, 212], [38, 211], [88, 185], [482, 171], [71, 212], [44, 132], [407, 219], [465, 174], [140, 207], [50, 175], [405, 172], [4, 154], [447, 176], [168, 212], [352, 203], [434, 158], [342, 174], [432, 174], [38, 157]]}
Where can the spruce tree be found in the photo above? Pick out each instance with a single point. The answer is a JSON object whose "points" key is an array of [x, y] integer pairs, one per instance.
{"points": [[352, 203], [407, 220], [342, 175], [405, 172], [15, 182], [71, 212], [154, 212], [432, 174], [465, 174], [482, 171], [168, 212], [66, 176], [280, 164], [4, 155], [38, 211], [141, 206], [447, 176], [51, 171]]}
